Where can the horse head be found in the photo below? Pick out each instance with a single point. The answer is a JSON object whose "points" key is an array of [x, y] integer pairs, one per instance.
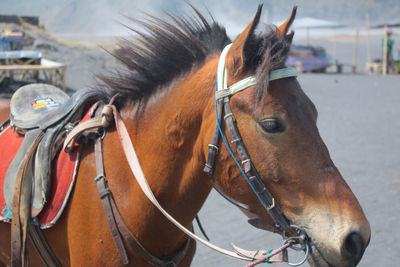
{"points": [[277, 123]]}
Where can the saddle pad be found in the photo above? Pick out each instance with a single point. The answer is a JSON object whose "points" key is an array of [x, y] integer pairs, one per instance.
{"points": [[10, 141], [64, 171]]}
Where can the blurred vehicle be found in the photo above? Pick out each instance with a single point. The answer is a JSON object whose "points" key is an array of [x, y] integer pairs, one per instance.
{"points": [[308, 58]]}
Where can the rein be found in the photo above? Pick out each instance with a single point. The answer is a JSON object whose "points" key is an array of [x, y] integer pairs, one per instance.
{"points": [[223, 92]]}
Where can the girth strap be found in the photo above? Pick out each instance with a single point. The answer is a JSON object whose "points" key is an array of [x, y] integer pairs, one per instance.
{"points": [[42, 247]]}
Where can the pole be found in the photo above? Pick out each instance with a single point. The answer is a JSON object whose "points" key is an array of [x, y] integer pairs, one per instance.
{"points": [[334, 44], [367, 22], [354, 67], [384, 61], [266, 16], [335, 61]]}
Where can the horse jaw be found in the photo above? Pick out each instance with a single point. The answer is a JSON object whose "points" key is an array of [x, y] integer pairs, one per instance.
{"points": [[257, 222]]}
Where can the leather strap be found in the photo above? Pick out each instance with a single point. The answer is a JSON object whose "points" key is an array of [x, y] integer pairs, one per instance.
{"points": [[21, 206], [117, 226], [213, 147], [106, 199], [201, 227], [42, 247], [76, 132], [254, 178], [136, 169], [4, 125]]}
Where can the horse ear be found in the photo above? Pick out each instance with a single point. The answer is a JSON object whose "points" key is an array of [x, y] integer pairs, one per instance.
{"points": [[244, 47], [289, 37], [283, 29]]}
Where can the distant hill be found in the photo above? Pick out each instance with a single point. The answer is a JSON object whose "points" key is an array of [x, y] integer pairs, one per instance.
{"points": [[104, 16]]}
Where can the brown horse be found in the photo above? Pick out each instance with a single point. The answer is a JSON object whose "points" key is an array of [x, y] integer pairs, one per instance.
{"points": [[167, 103]]}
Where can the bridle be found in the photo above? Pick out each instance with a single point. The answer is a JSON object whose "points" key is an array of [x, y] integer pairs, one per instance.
{"points": [[120, 232], [223, 111], [222, 99]]}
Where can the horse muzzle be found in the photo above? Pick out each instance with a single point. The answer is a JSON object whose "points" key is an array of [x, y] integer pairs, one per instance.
{"points": [[349, 253]]}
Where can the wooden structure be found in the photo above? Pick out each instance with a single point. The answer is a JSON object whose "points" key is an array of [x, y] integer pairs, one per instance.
{"points": [[373, 67], [385, 51], [48, 71], [32, 20]]}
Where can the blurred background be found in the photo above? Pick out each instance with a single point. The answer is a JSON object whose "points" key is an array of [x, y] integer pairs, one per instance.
{"points": [[347, 51], [335, 35]]}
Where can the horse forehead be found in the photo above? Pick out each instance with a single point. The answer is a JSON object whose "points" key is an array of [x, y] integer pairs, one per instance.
{"points": [[287, 94]]}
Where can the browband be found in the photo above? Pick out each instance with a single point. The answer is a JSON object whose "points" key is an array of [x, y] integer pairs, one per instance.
{"points": [[222, 84]]}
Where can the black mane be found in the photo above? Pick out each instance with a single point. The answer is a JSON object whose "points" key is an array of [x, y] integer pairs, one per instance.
{"points": [[164, 51]]}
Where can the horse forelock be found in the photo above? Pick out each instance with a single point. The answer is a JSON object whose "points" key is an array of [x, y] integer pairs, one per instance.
{"points": [[273, 52]]}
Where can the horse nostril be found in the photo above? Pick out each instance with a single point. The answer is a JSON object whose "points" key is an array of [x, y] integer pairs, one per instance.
{"points": [[353, 247]]}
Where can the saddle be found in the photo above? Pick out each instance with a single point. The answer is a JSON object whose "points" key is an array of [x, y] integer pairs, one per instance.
{"points": [[44, 115]]}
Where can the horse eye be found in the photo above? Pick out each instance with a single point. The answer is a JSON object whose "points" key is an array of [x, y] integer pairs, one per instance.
{"points": [[272, 125]]}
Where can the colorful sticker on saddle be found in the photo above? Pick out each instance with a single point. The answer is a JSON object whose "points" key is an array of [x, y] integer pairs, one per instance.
{"points": [[44, 102]]}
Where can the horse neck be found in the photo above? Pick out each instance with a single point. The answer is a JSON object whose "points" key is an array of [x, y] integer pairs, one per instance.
{"points": [[169, 139]]}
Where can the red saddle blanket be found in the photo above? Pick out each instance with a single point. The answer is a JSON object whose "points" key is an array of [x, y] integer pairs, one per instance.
{"points": [[64, 171]]}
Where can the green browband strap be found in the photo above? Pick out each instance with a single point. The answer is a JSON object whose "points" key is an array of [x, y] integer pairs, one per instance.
{"points": [[225, 92]]}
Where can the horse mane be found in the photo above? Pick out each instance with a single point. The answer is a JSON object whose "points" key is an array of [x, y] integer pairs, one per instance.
{"points": [[163, 51]]}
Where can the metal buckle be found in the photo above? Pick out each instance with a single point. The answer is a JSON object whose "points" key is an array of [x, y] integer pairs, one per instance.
{"points": [[244, 161], [69, 126], [98, 178], [213, 146], [228, 115], [236, 140], [302, 244], [102, 133], [270, 207]]}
